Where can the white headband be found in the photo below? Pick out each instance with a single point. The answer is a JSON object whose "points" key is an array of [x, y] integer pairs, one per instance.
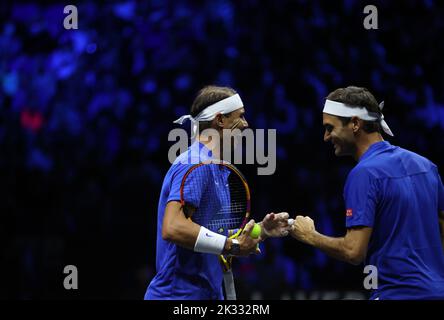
{"points": [[343, 110], [224, 106]]}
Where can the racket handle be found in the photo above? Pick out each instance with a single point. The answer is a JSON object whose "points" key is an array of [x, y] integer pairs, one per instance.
{"points": [[230, 291]]}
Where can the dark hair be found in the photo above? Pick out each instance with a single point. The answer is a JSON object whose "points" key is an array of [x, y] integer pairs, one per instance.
{"points": [[358, 97], [206, 97]]}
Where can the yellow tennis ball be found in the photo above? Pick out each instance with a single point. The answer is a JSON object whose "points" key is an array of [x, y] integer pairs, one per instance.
{"points": [[256, 231]]}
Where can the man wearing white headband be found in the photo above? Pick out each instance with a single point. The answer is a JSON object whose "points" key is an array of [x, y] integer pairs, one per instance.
{"points": [[228, 112], [394, 202], [187, 261]]}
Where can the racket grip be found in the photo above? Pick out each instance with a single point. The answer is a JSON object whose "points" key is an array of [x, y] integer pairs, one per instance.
{"points": [[230, 291]]}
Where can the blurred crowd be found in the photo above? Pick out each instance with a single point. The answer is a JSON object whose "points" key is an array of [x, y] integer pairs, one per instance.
{"points": [[85, 116]]}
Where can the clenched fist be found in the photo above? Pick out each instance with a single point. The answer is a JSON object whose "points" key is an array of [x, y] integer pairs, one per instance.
{"points": [[303, 229]]}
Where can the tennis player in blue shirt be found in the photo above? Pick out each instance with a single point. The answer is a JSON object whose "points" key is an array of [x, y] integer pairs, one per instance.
{"points": [[394, 203], [187, 262]]}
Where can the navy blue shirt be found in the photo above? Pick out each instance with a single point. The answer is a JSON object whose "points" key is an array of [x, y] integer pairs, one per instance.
{"points": [[399, 194], [182, 273]]}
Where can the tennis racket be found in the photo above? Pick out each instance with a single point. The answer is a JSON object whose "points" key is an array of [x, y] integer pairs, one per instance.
{"points": [[216, 195]]}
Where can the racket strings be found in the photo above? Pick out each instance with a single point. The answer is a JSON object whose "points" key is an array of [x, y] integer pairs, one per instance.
{"points": [[225, 223], [219, 196]]}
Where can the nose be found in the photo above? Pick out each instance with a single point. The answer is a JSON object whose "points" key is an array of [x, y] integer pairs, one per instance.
{"points": [[245, 123]]}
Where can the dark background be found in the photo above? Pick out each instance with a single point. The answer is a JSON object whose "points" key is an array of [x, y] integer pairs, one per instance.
{"points": [[85, 116]]}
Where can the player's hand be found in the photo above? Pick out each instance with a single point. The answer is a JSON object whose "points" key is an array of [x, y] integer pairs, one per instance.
{"points": [[248, 245], [275, 225], [303, 229]]}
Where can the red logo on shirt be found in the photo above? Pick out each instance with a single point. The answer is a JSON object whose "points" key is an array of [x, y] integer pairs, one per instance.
{"points": [[349, 212]]}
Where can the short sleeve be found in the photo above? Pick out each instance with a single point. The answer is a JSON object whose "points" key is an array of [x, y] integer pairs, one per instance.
{"points": [[361, 198], [178, 171]]}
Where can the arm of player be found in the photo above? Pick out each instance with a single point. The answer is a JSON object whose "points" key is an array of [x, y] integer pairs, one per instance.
{"points": [[184, 232], [351, 248], [177, 228], [275, 225]]}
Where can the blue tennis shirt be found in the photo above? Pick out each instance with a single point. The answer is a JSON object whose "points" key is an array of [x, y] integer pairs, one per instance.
{"points": [[399, 193], [182, 273]]}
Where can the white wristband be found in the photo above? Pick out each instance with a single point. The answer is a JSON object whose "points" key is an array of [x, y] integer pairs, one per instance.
{"points": [[209, 242]]}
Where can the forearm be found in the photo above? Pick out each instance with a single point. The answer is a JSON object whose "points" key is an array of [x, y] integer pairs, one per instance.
{"points": [[185, 235], [334, 247], [182, 232]]}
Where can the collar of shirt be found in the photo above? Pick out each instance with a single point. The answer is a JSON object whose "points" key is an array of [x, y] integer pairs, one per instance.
{"points": [[201, 151], [374, 149]]}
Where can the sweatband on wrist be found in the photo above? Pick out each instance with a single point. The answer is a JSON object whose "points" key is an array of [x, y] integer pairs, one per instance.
{"points": [[209, 242]]}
